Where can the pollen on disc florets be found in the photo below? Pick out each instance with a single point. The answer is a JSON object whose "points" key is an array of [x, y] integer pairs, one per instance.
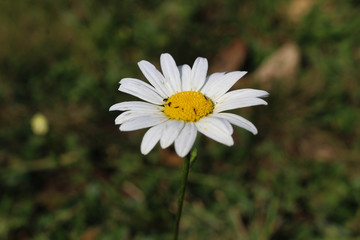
{"points": [[188, 106]]}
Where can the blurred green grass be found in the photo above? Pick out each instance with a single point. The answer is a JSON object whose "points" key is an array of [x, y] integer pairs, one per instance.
{"points": [[297, 179]]}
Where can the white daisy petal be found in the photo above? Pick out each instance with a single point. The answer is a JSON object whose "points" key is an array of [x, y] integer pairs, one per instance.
{"points": [[233, 104], [141, 90], [198, 73], [242, 93], [224, 84], [170, 132], [136, 106], [155, 78], [170, 71], [142, 122], [128, 115], [212, 129], [185, 141], [212, 81], [238, 121], [151, 137], [220, 122], [185, 72]]}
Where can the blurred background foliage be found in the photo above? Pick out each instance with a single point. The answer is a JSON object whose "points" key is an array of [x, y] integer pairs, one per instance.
{"points": [[66, 172]]}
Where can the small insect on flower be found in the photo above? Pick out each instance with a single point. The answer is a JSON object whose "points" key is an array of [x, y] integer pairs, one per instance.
{"points": [[182, 101]]}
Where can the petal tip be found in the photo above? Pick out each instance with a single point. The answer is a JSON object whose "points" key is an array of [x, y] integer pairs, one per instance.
{"points": [[165, 55], [143, 152], [181, 154], [141, 62]]}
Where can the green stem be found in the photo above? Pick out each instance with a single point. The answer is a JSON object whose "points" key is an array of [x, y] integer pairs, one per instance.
{"points": [[187, 160]]}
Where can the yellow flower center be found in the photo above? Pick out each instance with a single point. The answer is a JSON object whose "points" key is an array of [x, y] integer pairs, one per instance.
{"points": [[188, 106]]}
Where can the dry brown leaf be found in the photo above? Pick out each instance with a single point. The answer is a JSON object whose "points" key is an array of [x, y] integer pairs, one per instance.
{"points": [[90, 234], [133, 191], [320, 146], [170, 158], [297, 9], [282, 65], [230, 58]]}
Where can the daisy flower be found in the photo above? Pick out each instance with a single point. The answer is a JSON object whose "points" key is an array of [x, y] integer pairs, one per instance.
{"points": [[181, 101]]}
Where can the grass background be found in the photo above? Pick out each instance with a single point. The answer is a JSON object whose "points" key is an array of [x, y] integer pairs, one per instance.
{"points": [[299, 178]]}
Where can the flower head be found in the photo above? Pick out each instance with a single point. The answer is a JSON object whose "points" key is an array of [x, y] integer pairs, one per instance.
{"points": [[181, 101], [39, 124]]}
